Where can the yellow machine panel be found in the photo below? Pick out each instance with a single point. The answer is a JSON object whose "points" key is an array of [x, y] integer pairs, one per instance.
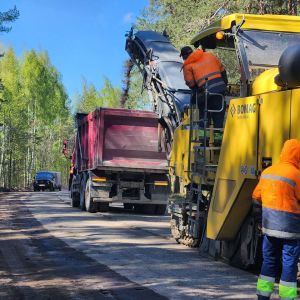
{"points": [[274, 129], [180, 150], [279, 23], [295, 114], [179, 155], [265, 119], [264, 83], [236, 163]]}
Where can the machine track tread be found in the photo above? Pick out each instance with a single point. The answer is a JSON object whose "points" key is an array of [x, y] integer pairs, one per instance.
{"points": [[189, 241]]}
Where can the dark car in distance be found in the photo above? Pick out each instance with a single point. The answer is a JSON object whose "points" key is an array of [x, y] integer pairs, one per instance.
{"points": [[47, 180]]}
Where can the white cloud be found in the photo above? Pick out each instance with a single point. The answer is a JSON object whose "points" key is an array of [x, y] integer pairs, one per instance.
{"points": [[128, 18]]}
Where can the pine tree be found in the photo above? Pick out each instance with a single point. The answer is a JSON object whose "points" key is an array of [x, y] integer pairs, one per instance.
{"points": [[89, 98], [7, 17], [128, 65]]}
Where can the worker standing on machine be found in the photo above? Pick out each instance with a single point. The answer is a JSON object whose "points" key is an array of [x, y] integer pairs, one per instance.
{"points": [[278, 192], [202, 69]]}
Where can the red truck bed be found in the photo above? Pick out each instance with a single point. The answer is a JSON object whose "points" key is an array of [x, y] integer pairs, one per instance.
{"points": [[119, 139]]}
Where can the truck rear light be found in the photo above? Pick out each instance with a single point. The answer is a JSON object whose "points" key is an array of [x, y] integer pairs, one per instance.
{"points": [[161, 183], [98, 179]]}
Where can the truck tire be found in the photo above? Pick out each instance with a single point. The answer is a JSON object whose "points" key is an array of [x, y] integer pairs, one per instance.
{"points": [[138, 208], [128, 206], [160, 209], [145, 208], [103, 206], [75, 200], [90, 205], [149, 209], [82, 193]]}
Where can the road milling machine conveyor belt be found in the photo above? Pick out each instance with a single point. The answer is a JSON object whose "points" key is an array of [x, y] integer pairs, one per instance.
{"points": [[161, 67]]}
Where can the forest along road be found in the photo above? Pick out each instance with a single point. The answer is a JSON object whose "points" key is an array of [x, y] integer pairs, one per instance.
{"points": [[49, 250]]}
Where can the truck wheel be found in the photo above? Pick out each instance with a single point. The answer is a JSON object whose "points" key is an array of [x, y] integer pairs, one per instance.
{"points": [[128, 205], [161, 209], [75, 200], [138, 208], [148, 209], [90, 205], [103, 206], [82, 193]]}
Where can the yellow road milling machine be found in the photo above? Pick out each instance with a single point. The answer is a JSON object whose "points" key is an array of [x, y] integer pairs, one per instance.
{"points": [[214, 178], [213, 171]]}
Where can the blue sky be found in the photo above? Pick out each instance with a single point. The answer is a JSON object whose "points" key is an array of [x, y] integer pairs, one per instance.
{"points": [[84, 38]]}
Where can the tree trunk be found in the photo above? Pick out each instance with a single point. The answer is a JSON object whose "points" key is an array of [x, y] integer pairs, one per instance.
{"points": [[292, 7], [263, 5], [10, 169], [128, 65], [2, 157]]}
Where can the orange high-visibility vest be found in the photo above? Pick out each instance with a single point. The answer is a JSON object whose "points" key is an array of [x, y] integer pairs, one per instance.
{"points": [[201, 66], [278, 191]]}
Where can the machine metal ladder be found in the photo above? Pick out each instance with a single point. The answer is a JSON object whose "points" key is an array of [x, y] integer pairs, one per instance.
{"points": [[203, 143], [206, 152]]}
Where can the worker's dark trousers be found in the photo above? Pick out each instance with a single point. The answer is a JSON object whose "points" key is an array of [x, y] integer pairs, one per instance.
{"points": [[279, 254], [215, 103]]}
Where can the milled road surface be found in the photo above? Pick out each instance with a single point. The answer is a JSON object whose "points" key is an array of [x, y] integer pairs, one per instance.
{"points": [[49, 250]]}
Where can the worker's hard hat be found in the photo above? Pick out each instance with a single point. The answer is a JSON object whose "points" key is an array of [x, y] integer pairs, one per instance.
{"points": [[186, 50]]}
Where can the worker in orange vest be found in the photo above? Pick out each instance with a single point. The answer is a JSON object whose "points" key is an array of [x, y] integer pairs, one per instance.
{"points": [[278, 193], [202, 69]]}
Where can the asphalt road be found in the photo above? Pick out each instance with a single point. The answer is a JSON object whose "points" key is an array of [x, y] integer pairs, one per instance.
{"points": [[49, 250]]}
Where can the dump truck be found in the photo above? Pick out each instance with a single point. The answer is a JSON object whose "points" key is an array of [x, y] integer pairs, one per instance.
{"points": [[212, 180], [119, 157]]}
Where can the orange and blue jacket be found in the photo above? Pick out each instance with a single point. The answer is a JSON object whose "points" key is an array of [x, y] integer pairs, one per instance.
{"points": [[201, 65], [278, 191]]}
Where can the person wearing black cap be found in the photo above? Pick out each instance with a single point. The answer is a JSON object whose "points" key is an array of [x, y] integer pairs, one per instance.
{"points": [[203, 70], [185, 52]]}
